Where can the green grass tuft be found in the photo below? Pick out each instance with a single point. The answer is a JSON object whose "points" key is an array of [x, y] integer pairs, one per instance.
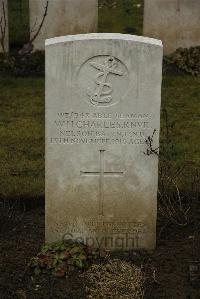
{"points": [[22, 137], [122, 16]]}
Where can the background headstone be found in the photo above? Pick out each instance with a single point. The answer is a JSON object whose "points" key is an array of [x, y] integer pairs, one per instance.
{"points": [[103, 94], [4, 40], [175, 22], [63, 17]]}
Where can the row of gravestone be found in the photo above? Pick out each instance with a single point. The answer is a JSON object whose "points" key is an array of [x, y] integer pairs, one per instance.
{"points": [[175, 22], [49, 18]]}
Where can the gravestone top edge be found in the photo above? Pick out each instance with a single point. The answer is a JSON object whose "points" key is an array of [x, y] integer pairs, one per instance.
{"points": [[103, 36]]}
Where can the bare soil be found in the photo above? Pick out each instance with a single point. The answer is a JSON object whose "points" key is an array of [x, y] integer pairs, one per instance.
{"points": [[167, 267]]}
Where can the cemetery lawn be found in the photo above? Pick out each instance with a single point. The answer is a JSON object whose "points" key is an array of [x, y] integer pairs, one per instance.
{"points": [[180, 99], [22, 131], [129, 14], [22, 174], [22, 138], [22, 177]]}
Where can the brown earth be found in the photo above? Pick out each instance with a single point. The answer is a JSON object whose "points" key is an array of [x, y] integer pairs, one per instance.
{"points": [[168, 266]]}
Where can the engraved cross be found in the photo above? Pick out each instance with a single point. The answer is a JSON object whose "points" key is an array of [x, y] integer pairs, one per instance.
{"points": [[101, 174]]}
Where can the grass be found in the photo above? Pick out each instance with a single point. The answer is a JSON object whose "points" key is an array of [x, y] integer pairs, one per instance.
{"points": [[180, 98], [123, 16], [22, 130], [22, 108], [22, 137]]}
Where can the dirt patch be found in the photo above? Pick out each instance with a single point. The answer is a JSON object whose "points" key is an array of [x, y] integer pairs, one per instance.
{"points": [[166, 270], [21, 242]]}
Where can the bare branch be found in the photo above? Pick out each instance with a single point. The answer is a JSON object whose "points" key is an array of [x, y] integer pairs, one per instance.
{"points": [[33, 28], [27, 48], [41, 24], [149, 142]]}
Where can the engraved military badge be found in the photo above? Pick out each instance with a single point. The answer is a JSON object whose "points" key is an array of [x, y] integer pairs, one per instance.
{"points": [[103, 80]]}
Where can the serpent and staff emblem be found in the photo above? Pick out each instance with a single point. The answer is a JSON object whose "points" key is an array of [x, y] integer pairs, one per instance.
{"points": [[103, 91]]}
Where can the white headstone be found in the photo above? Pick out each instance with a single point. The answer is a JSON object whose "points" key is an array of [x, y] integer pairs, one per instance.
{"points": [[175, 22], [103, 94], [63, 17], [4, 41]]}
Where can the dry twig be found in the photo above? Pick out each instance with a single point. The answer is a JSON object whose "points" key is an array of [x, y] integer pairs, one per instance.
{"points": [[149, 142], [172, 205], [115, 279], [27, 48]]}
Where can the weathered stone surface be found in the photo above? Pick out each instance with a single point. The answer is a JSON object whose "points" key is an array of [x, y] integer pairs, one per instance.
{"points": [[175, 22], [4, 40], [63, 17], [103, 96]]}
